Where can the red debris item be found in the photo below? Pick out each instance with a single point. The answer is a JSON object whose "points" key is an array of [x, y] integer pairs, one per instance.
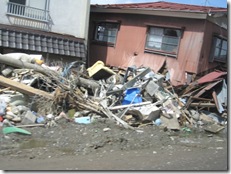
{"points": [[1, 119], [211, 77]]}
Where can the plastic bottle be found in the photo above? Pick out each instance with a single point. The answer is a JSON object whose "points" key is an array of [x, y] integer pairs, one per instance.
{"points": [[2, 107]]}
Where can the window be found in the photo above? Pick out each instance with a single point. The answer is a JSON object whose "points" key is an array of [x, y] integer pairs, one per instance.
{"points": [[106, 32], [219, 49], [163, 40]]}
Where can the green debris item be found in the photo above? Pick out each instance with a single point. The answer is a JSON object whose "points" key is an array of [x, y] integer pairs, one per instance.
{"points": [[186, 129], [8, 130], [71, 113]]}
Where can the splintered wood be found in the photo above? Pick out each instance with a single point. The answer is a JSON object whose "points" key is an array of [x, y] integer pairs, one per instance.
{"points": [[23, 88]]}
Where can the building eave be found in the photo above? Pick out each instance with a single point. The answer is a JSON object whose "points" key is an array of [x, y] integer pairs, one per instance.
{"points": [[166, 13]]}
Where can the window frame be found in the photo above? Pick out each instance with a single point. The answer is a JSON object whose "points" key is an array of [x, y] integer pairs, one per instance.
{"points": [[214, 46], [161, 51], [106, 24]]}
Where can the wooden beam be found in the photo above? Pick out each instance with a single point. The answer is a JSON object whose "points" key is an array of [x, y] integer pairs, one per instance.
{"points": [[209, 105], [130, 105], [46, 71], [22, 88]]}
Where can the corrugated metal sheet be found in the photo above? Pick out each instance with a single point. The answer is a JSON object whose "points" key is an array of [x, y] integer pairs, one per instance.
{"points": [[164, 6], [213, 76], [40, 41]]}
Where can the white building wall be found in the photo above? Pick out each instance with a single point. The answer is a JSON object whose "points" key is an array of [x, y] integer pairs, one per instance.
{"points": [[69, 16], [3, 10]]}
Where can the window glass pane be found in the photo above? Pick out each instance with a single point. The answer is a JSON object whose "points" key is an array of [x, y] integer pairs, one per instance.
{"points": [[112, 33], [163, 39], [216, 54], [218, 42], [224, 45], [157, 31], [106, 32], [154, 41], [169, 48], [223, 53], [170, 40], [220, 49], [100, 32], [170, 32]]}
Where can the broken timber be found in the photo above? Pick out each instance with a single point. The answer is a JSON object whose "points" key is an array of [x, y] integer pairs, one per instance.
{"points": [[130, 105], [130, 83], [23, 88], [20, 64]]}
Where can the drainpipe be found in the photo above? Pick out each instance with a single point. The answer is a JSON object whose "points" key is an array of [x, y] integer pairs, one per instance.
{"points": [[87, 31]]}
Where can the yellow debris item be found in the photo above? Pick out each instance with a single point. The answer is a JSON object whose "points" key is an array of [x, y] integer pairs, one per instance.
{"points": [[39, 62], [100, 71]]}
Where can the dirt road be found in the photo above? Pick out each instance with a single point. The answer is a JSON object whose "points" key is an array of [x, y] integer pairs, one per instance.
{"points": [[90, 147]]}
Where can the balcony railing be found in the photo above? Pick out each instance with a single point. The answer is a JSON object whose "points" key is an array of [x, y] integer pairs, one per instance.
{"points": [[28, 12]]}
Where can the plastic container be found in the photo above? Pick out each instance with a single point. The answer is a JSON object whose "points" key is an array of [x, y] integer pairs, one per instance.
{"points": [[2, 108], [83, 120], [132, 96], [158, 122], [100, 71], [40, 119]]}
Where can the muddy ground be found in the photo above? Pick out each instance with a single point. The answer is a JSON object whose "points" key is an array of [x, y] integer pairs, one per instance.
{"points": [[72, 146]]}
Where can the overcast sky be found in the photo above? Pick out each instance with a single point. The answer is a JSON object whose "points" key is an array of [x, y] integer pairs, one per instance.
{"points": [[215, 3]]}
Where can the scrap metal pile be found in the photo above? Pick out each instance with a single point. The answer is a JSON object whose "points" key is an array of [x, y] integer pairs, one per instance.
{"points": [[33, 93]]}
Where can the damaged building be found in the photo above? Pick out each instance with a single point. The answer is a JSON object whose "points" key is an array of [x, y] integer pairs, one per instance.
{"points": [[139, 55], [182, 40]]}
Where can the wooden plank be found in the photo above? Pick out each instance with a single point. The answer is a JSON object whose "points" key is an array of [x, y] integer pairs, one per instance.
{"points": [[209, 105], [204, 99], [214, 94], [208, 87], [215, 128], [130, 105], [23, 88], [5, 89]]}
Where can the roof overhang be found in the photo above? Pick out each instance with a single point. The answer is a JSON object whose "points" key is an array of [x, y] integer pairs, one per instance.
{"points": [[157, 12], [219, 18]]}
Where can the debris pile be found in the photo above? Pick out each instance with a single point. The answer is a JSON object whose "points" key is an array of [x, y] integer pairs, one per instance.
{"points": [[33, 93]]}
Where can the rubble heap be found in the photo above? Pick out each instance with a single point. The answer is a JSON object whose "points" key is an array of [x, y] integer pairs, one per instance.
{"points": [[33, 93]]}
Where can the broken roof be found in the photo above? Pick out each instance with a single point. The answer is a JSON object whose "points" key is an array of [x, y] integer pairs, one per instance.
{"points": [[161, 5], [162, 8]]}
